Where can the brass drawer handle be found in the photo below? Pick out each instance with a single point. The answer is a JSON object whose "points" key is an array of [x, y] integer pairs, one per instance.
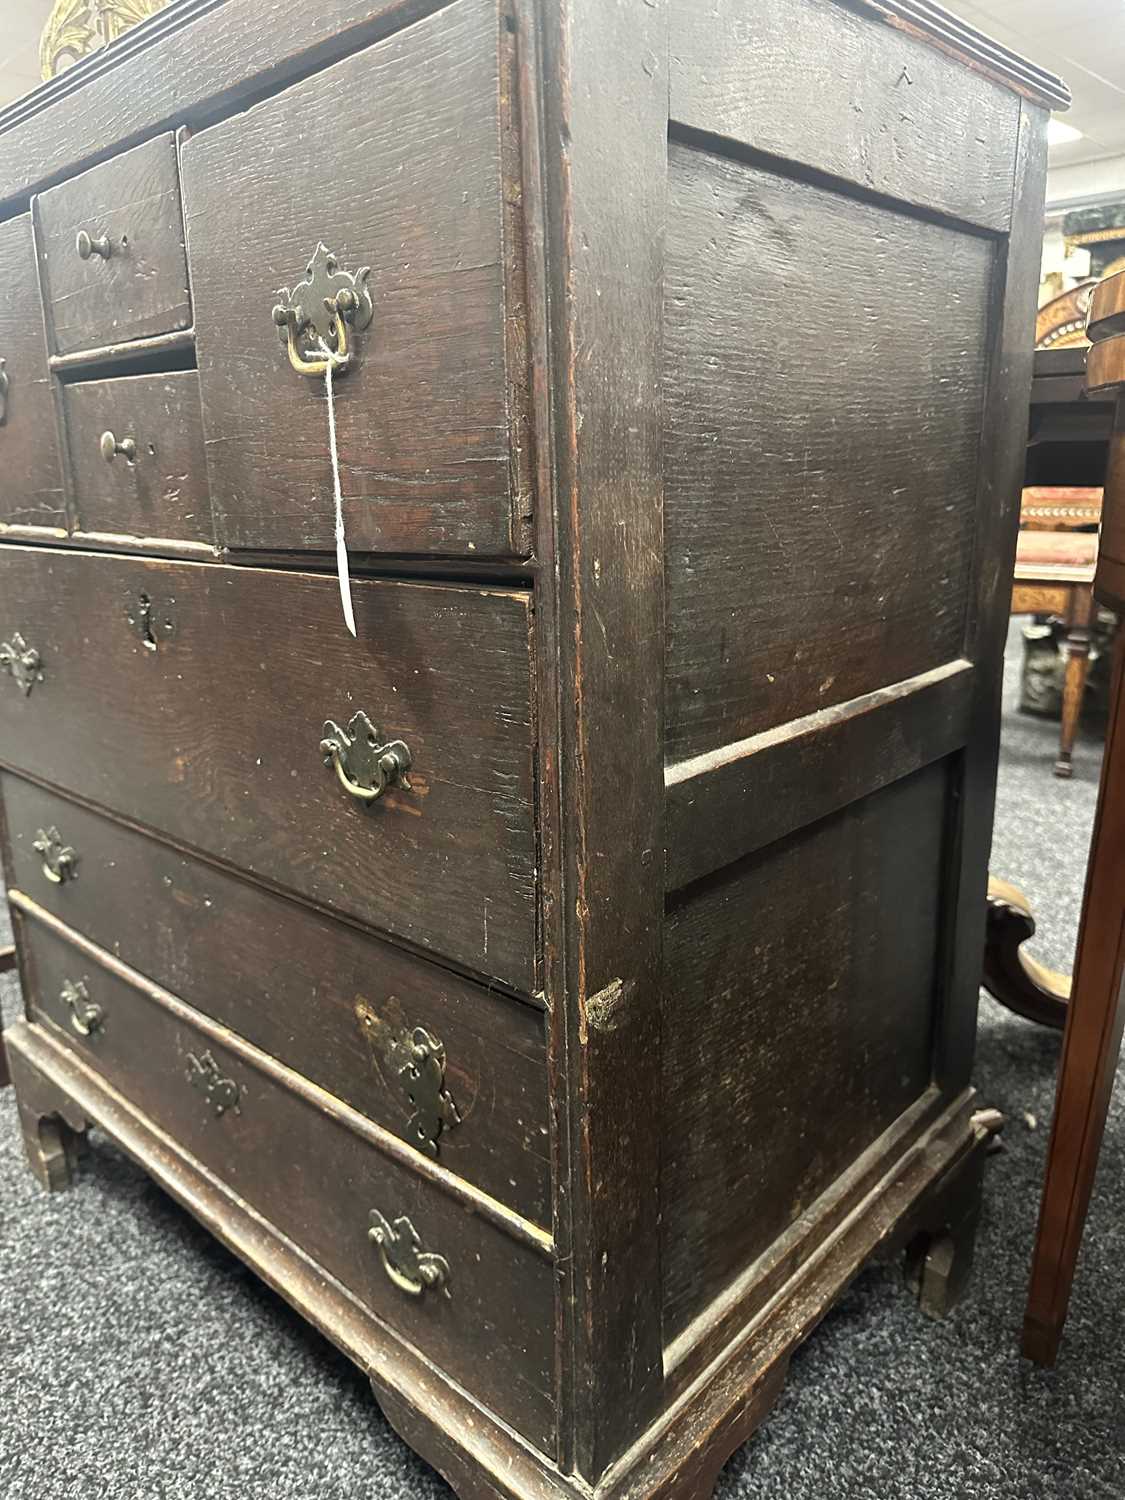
{"points": [[60, 861], [110, 448], [412, 1060], [365, 768], [412, 1269], [204, 1076], [87, 245], [22, 663], [317, 312], [85, 1016]]}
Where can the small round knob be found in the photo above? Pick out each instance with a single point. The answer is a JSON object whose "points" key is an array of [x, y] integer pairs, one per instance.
{"points": [[346, 301], [86, 245], [111, 447]]}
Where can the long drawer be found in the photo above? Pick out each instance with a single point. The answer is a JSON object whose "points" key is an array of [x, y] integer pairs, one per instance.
{"points": [[479, 1302], [197, 699], [456, 1071]]}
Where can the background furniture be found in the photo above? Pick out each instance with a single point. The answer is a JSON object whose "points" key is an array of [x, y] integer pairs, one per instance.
{"points": [[1054, 574], [561, 988], [1096, 1013]]}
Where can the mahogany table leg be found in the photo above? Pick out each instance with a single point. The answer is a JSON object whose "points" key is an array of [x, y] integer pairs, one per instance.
{"points": [[1091, 1046], [1079, 620]]}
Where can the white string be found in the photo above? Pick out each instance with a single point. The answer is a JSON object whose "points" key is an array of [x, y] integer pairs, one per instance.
{"points": [[331, 361]]}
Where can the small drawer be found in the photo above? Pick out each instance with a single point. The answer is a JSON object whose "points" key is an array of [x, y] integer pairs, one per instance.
{"points": [[341, 1008], [387, 778], [398, 167], [488, 1308], [112, 247], [137, 466], [31, 489]]}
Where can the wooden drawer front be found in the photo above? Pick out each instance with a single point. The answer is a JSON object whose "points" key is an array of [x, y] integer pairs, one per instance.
{"points": [[396, 166], [317, 1181], [150, 479], [324, 999], [31, 490], [130, 206], [193, 698]]}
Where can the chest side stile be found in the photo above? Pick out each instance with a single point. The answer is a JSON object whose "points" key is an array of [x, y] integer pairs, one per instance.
{"points": [[1002, 459], [604, 251]]}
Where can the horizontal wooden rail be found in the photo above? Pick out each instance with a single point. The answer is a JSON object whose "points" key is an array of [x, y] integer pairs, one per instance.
{"points": [[741, 797]]}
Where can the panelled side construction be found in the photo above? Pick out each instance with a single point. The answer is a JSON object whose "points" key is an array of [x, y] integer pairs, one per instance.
{"points": [[831, 323]]}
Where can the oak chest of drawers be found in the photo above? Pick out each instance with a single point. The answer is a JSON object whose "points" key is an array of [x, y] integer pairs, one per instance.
{"points": [[559, 988]]}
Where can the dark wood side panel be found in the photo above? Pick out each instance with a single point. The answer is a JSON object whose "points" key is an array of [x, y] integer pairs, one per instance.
{"points": [[290, 981], [797, 1026], [812, 82], [31, 487], [412, 129], [728, 803], [999, 482], [212, 736], [142, 288], [492, 1332], [162, 491], [820, 488]]}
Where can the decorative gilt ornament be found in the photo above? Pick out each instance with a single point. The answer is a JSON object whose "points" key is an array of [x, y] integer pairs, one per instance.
{"points": [[76, 28]]}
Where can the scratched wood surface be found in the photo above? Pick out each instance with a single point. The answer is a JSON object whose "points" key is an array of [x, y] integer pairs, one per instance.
{"points": [[213, 735], [412, 129], [820, 491], [493, 1331], [289, 980], [162, 491], [892, 117], [142, 288], [797, 1020], [31, 488]]}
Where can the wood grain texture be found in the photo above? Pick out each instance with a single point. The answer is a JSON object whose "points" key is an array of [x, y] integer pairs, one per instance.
{"points": [[492, 1333], [605, 255], [1000, 479], [729, 803], [797, 1020], [142, 289], [289, 981], [819, 510], [416, 193], [213, 737], [163, 492], [891, 115], [31, 491]]}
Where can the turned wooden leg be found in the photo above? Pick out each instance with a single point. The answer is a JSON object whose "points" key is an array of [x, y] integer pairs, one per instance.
{"points": [[52, 1147], [1091, 1046], [1076, 647]]}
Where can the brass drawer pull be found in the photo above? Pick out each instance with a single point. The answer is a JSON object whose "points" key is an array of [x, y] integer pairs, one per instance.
{"points": [[204, 1076], [317, 313], [414, 1063], [364, 768], [60, 861], [22, 662], [85, 1016], [110, 448], [412, 1269], [87, 245]]}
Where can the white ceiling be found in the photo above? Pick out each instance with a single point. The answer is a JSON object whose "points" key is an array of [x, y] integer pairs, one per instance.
{"points": [[1081, 40], [21, 24]]}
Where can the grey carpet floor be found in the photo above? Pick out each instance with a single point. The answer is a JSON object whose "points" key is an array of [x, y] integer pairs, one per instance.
{"points": [[139, 1360]]}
